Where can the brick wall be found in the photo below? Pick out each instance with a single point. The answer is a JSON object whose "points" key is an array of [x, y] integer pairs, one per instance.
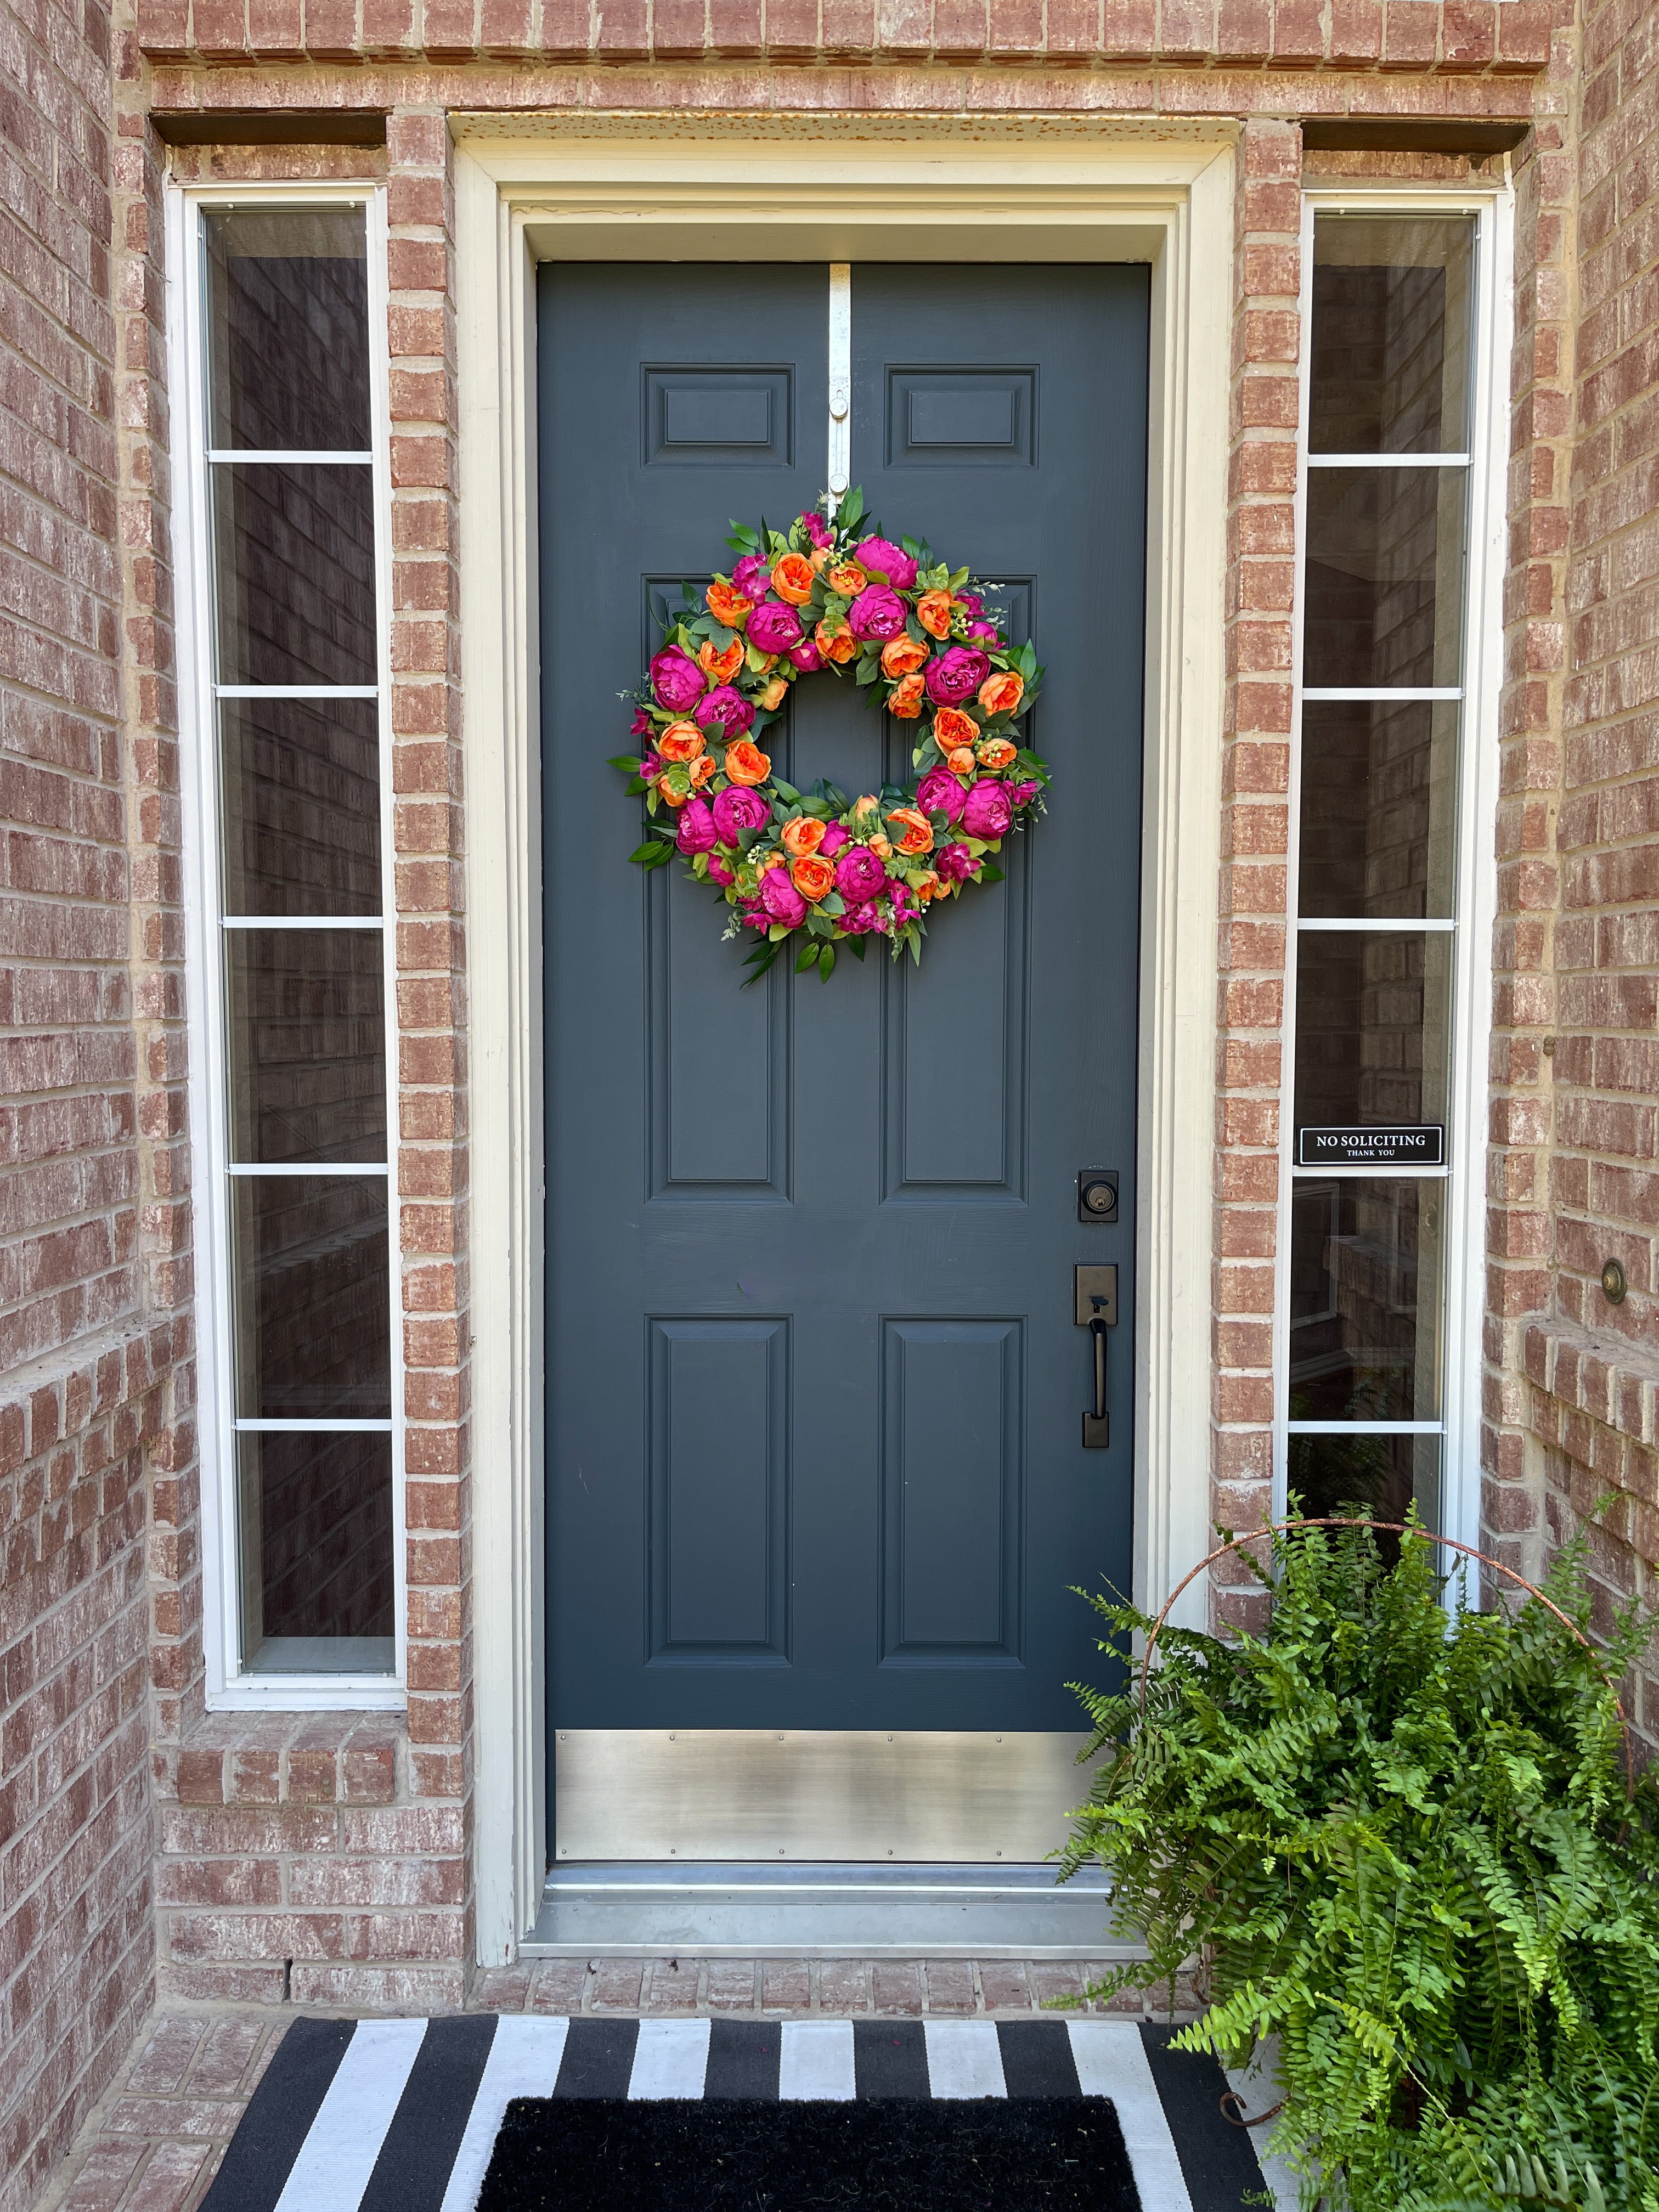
{"points": [[1578, 1054], [1255, 827], [95, 1375]]}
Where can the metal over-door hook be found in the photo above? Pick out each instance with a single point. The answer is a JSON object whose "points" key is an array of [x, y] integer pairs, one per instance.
{"points": [[1095, 1308]]}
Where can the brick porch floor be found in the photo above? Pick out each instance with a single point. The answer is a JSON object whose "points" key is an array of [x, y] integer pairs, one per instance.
{"points": [[156, 2138]]}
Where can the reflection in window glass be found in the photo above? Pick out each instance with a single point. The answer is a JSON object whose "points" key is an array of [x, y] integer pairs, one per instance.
{"points": [[1365, 1271], [307, 1045], [288, 329], [313, 1297], [1390, 335], [1379, 808], [1383, 581], [1373, 1027], [294, 574], [300, 785], [1382, 1475], [317, 1567]]}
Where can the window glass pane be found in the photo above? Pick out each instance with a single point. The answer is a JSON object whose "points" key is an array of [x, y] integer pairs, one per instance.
{"points": [[1384, 578], [301, 795], [316, 1525], [1391, 337], [294, 574], [1379, 807], [1365, 1277], [313, 1297], [307, 1044], [287, 328], [1330, 1474], [1373, 1016]]}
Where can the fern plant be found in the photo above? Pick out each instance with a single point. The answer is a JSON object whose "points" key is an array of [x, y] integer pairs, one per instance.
{"points": [[1401, 1841]]}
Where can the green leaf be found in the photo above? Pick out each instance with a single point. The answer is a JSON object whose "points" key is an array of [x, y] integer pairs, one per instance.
{"points": [[990, 873], [651, 854], [913, 547], [786, 791], [778, 932], [628, 763], [826, 963], [806, 957], [851, 508], [861, 946], [743, 538]]}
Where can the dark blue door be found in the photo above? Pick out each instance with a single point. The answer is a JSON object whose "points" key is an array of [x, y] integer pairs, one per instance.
{"points": [[815, 1384]]}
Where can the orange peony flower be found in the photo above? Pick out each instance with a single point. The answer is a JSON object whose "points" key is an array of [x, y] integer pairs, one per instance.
{"points": [[803, 835], [916, 832], [929, 887], [702, 771], [812, 877], [771, 695], [680, 741], [900, 655], [952, 728], [791, 578], [848, 579], [1002, 691], [905, 699], [934, 612], [843, 645], [817, 559], [745, 762], [671, 793], [722, 666], [996, 752], [727, 605], [868, 804], [881, 847], [960, 760]]}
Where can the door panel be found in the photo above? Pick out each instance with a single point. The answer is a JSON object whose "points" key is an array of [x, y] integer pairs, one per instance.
{"points": [[814, 1382]]}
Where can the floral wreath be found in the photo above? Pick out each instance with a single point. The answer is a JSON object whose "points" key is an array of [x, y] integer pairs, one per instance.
{"points": [[811, 866]]}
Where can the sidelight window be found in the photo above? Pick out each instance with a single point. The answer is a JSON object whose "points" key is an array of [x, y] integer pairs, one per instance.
{"points": [[281, 330], [1380, 1277]]}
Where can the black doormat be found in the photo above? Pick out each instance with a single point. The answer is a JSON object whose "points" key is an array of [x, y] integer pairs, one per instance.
{"points": [[603, 2154]]}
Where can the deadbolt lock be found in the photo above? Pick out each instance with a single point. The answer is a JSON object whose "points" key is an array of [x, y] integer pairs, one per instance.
{"points": [[1097, 1194]]}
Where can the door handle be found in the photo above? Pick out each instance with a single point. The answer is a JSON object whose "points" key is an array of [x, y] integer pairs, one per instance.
{"points": [[1094, 1297]]}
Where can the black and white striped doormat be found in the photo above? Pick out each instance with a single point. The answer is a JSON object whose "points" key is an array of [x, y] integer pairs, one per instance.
{"points": [[402, 2115]]}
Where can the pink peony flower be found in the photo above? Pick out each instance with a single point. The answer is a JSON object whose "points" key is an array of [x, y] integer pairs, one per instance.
{"points": [[727, 706], [941, 792], [677, 680], [782, 902], [719, 871], [955, 675], [1022, 794], [696, 833], [806, 656], [971, 603], [642, 724], [986, 812], [956, 863], [859, 875], [877, 612], [818, 530], [983, 632], [736, 808], [859, 921], [883, 558], [834, 838], [775, 626]]}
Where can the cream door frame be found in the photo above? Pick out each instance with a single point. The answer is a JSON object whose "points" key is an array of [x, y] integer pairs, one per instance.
{"points": [[672, 186]]}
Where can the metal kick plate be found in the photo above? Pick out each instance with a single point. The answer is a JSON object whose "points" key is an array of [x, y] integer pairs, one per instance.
{"points": [[1089, 1283], [815, 1795]]}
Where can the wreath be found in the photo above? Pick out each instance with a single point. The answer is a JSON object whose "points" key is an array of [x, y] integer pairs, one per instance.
{"points": [[814, 867]]}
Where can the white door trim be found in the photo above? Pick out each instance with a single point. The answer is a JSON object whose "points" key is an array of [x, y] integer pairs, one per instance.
{"points": [[834, 188]]}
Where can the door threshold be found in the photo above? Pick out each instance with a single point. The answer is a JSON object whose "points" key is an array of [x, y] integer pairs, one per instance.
{"points": [[714, 1910]]}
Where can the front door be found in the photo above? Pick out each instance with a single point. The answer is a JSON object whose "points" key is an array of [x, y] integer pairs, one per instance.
{"points": [[816, 1471]]}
